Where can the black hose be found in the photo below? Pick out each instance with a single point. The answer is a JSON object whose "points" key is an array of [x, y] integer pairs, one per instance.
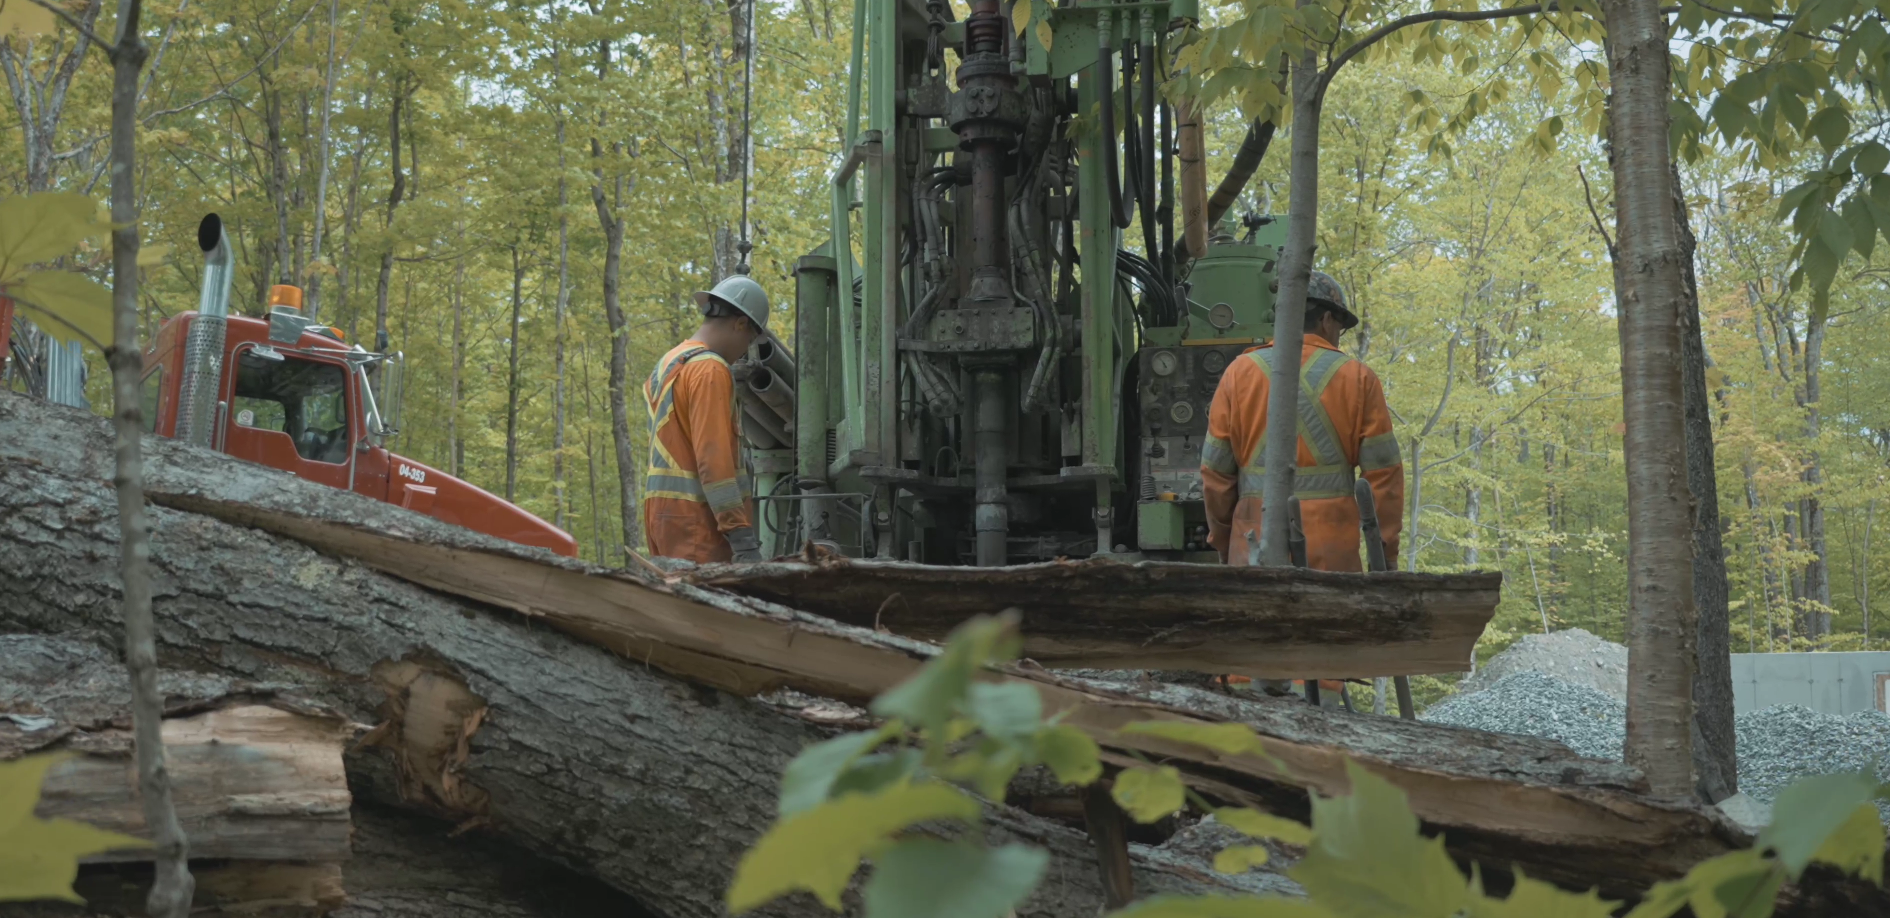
{"points": [[1165, 208], [1106, 78], [1145, 172]]}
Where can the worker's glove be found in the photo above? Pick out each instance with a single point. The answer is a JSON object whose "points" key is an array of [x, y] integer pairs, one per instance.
{"points": [[745, 544]]}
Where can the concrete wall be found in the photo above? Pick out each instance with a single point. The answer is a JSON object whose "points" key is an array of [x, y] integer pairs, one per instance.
{"points": [[1831, 683]]}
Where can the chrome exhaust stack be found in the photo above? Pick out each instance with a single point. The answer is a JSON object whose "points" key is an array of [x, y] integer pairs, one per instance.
{"points": [[203, 349]]}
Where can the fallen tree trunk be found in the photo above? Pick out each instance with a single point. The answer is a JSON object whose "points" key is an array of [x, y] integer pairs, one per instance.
{"points": [[255, 777], [1285, 623], [649, 783], [656, 786], [1498, 799], [403, 865]]}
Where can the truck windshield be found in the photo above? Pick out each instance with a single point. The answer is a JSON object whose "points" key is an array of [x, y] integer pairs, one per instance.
{"points": [[302, 398]]}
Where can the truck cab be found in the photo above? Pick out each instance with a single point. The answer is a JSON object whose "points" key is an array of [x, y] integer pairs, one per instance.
{"points": [[292, 395]]}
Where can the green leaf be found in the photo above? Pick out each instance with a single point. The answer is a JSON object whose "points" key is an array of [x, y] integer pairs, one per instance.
{"points": [[1172, 906], [1070, 753], [1836, 234], [807, 779], [1831, 125], [870, 774], [1871, 158], [1006, 709], [1265, 825], [1863, 228], [1738, 872], [1752, 894], [1367, 859], [40, 857], [1536, 899], [819, 849], [1240, 858], [1148, 794], [940, 687], [1857, 846], [927, 878], [1809, 812], [1226, 739], [42, 227], [65, 305]]}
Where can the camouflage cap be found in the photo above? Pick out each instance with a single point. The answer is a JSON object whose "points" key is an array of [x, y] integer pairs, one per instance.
{"points": [[1326, 291]]}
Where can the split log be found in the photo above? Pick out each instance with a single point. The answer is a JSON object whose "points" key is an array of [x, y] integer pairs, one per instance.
{"points": [[565, 773], [1283, 623], [403, 866], [649, 783], [255, 777]]}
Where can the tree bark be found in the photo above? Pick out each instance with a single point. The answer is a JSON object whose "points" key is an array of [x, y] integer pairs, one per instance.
{"points": [[557, 319], [323, 164], [1818, 571], [1650, 299], [1289, 309], [1715, 761], [394, 196], [171, 891], [611, 222], [511, 379]]}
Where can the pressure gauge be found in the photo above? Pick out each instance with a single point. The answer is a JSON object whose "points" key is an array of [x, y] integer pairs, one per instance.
{"points": [[1163, 363], [1181, 412], [1213, 362], [1221, 316]]}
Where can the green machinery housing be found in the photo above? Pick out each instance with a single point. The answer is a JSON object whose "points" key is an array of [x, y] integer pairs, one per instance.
{"points": [[1013, 362]]}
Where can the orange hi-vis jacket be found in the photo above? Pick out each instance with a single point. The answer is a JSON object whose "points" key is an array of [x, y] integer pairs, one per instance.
{"points": [[1344, 424], [697, 487]]}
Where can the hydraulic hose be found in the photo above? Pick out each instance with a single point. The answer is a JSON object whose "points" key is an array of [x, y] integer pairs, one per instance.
{"points": [[1145, 190], [1106, 79]]}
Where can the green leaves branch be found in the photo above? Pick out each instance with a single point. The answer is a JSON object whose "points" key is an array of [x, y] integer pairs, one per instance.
{"points": [[39, 228], [900, 796]]}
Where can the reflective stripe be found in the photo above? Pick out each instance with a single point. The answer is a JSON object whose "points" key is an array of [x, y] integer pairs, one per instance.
{"points": [[1217, 454], [673, 483], [1330, 475], [1310, 482], [724, 495], [1380, 452]]}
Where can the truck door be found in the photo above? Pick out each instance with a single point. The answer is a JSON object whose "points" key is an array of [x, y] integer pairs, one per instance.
{"points": [[290, 412]]}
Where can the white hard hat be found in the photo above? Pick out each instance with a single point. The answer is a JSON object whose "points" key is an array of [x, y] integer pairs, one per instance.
{"points": [[741, 292]]}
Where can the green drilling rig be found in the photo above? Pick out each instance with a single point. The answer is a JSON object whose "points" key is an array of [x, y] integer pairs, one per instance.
{"points": [[1012, 359]]}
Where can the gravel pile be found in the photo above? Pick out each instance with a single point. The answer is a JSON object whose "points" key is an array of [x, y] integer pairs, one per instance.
{"points": [[1573, 655], [1780, 745], [1776, 746], [1537, 704]]}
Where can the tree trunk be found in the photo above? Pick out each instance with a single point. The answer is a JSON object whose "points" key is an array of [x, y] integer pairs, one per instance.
{"points": [[455, 448], [557, 318], [1662, 628], [394, 196], [1863, 573], [612, 224], [1818, 572], [322, 170], [1302, 230], [171, 891], [511, 379], [1714, 758]]}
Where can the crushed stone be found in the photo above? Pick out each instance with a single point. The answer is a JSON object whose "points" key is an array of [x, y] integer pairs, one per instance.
{"points": [[1777, 745], [1572, 655]]}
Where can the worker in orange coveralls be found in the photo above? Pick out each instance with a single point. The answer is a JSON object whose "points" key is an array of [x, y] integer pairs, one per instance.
{"points": [[1344, 424], [696, 500]]}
